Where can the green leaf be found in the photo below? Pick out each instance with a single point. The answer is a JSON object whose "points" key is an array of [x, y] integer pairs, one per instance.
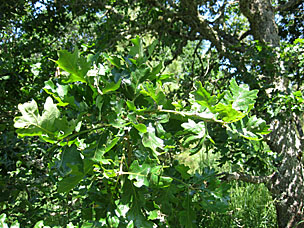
{"points": [[47, 126], [183, 170], [70, 181], [138, 218], [150, 140], [156, 70], [156, 94], [130, 224], [140, 127], [241, 97], [196, 128], [190, 140], [156, 178], [131, 105], [187, 217], [227, 113], [115, 61], [258, 126], [152, 46], [74, 168], [153, 215], [112, 86], [32, 124], [103, 144], [203, 97], [71, 157], [59, 93], [112, 144], [198, 134], [137, 49], [73, 64], [139, 75], [40, 224], [65, 126], [15, 224], [3, 223], [139, 173], [253, 128]]}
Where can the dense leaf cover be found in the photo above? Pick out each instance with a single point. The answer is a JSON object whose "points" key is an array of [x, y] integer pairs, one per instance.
{"points": [[112, 123], [116, 134]]}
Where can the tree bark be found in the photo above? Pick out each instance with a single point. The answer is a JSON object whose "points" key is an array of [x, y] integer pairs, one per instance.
{"points": [[287, 184], [260, 15]]}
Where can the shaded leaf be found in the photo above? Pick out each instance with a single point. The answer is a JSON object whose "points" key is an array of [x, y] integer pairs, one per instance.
{"points": [[74, 64], [74, 167], [203, 97], [112, 86], [183, 170]]}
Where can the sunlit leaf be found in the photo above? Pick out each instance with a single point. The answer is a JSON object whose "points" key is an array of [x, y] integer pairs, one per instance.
{"points": [[241, 97], [137, 49], [139, 173], [151, 140], [31, 123], [141, 127], [227, 113]]}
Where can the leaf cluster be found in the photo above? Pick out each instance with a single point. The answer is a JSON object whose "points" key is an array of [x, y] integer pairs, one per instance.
{"points": [[118, 134]]}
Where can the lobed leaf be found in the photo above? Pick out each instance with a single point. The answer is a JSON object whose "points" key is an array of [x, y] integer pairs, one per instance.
{"points": [[241, 97], [150, 140], [74, 64], [203, 97], [33, 124], [139, 174]]}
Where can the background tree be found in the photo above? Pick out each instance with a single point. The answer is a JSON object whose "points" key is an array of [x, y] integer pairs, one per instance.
{"points": [[31, 34]]}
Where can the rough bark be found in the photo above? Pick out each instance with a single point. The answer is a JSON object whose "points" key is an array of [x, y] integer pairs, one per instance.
{"points": [[245, 178], [288, 5], [260, 15], [287, 186]]}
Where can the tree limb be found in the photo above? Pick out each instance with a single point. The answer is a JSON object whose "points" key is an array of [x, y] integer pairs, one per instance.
{"points": [[289, 5], [245, 177]]}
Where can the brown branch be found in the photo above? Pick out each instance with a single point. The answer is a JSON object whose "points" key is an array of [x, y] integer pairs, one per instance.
{"points": [[245, 177], [247, 33], [289, 5], [176, 53]]}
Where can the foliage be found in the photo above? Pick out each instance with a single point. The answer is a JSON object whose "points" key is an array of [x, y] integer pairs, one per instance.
{"points": [[31, 33], [213, 44], [112, 130]]}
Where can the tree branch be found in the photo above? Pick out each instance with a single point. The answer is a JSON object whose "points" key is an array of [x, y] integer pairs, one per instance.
{"points": [[289, 5], [245, 177]]}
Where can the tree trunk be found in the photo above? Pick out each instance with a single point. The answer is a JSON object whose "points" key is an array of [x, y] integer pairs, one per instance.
{"points": [[287, 184]]}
